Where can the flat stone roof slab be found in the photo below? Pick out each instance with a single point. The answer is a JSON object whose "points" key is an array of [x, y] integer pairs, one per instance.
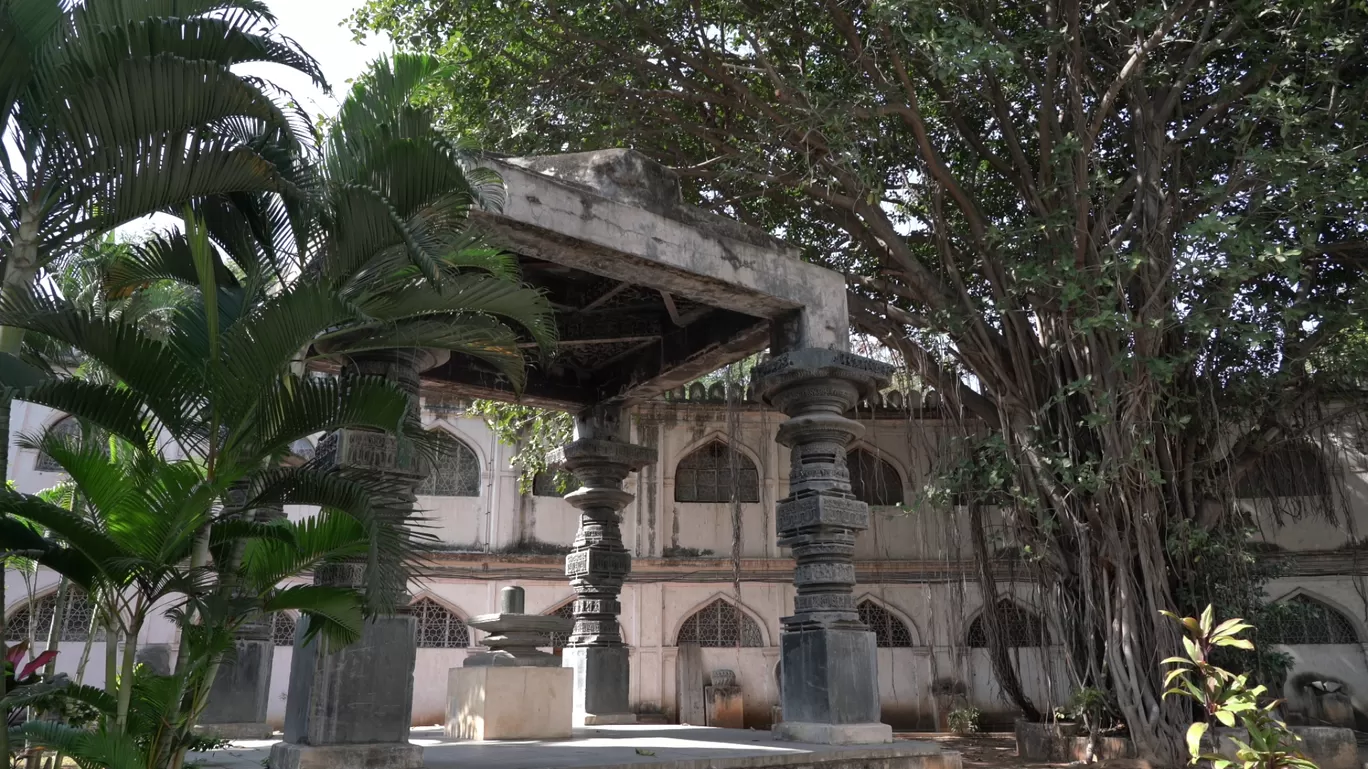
{"points": [[637, 747]]}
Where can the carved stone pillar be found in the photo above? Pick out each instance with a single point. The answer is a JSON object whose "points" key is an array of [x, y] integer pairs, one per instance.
{"points": [[241, 692], [830, 687], [601, 458], [351, 707]]}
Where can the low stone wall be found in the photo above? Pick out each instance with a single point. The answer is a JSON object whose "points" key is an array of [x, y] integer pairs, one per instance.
{"points": [[878, 758], [1061, 743], [1330, 747]]}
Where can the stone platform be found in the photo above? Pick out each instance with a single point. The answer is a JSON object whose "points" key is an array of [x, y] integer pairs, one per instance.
{"points": [[638, 747]]}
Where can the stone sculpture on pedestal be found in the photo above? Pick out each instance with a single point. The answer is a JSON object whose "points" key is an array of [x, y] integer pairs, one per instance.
{"points": [[482, 697], [722, 702]]}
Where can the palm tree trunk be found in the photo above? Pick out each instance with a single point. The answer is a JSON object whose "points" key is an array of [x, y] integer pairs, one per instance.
{"points": [[130, 660]]}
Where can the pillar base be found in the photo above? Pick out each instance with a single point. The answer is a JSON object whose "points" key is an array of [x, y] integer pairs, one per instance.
{"points": [[247, 730], [830, 676], [602, 682], [497, 702], [833, 734], [381, 755]]}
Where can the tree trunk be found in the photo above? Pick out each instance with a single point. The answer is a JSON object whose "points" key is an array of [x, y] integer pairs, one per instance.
{"points": [[998, 652]]}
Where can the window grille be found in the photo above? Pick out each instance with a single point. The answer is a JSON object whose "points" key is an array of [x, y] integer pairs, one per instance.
{"points": [[720, 624], [455, 474], [68, 428], [1291, 471], [1021, 628], [23, 624], [282, 629], [706, 476], [559, 640], [438, 628], [889, 631], [873, 480], [1304, 620]]}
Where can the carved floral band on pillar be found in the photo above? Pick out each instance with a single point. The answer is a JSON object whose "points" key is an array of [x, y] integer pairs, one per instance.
{"points": [[598, 563]]}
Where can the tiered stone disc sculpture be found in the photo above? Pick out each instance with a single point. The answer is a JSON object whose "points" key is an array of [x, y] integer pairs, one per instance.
{"points": [[482, 696]]}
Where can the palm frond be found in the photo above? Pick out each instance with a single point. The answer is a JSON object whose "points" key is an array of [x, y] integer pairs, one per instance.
{"points": [[88, 748]]}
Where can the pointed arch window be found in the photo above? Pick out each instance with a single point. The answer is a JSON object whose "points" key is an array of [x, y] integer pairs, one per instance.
{"points": [[1304, 620], [282, 628], [68, 428], [889, 631], [1021, 628], [873, 480], [720, 624], [438, 627], [1294, 470], [713, 473], [456, 473], [33, 620]]}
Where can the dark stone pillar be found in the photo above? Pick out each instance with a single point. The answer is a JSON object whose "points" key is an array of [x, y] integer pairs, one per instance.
{"points": [[601, 458], [830, 688], [351, 707], [241, 693]]}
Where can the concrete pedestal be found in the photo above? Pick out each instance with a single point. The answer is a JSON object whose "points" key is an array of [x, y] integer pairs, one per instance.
{"points": [[602, 682], [351, 702], [833, 734], [509, 703], [830, 677], [724, 707], [240, 694]]}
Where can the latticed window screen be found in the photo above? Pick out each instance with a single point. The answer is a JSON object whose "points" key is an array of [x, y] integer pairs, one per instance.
{"points": [[873, 480], [455, 474], [1304, 620], [438, 628], [558, 640], [545, 485], [35, 624], [1292, 471], [720, 624], [69, 429], [713, 473], [282, 629], [889, 631], [1021, 628]]}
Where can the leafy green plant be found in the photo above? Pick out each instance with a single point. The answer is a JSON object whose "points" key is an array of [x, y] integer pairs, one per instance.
{"points": [[964, 720], [1229, 699]]}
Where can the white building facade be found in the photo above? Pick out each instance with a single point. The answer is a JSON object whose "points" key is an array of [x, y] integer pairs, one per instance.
{"points": [[709, 582]]}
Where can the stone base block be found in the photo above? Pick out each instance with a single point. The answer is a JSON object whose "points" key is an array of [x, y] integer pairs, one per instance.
{"points": [[724, 707], [242, 731], [608, 719], [507, 703], [833, 734], [362, 755], [602, 681], [829, 676]]}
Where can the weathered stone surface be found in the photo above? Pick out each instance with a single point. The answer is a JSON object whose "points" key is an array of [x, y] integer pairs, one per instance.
{"points": [[602, 683], [242, 689], [285, 755], [830, 687], [361, 693], [834, 734], [509, 703], [724, 707]]}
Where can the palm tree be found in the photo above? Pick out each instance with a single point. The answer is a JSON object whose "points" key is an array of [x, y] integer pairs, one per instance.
{"points": [[111, 110], [379, 260]]}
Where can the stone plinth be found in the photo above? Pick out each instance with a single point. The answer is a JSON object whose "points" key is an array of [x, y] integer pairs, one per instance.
{"points": [[830, 688], [496, 702], [724, 707], [241, 691]]}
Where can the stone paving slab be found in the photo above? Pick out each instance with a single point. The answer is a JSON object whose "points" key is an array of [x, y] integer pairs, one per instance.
{"points": [[633, 747]]}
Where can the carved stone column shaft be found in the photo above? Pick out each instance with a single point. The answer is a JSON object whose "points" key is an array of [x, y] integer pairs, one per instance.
{"points": [[830, 688], [598, 563], [351, 707]]}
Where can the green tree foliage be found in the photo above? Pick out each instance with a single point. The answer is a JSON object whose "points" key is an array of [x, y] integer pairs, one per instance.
{"points": [[203, 406], [1123, 235]]}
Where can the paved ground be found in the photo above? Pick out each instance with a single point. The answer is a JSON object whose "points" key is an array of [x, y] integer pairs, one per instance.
{"points": [[603, 746]]}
